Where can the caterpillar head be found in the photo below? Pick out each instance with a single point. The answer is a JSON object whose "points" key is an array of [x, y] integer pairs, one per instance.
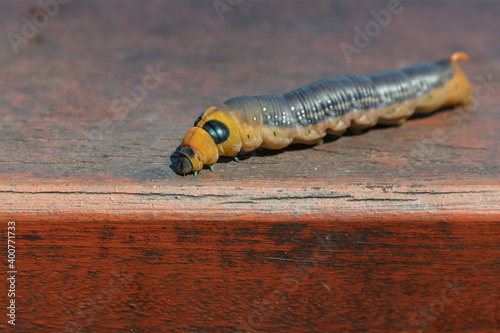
{"points": [[198, 148], [214, 134]]}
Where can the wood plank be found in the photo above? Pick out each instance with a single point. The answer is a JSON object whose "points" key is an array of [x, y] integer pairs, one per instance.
{"points": [[395, 229], [263, 276]]}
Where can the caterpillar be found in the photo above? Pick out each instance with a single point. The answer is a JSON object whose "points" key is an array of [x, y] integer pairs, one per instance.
{"points": [[330, 106]]}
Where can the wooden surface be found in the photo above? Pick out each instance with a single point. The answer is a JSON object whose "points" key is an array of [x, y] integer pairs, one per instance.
{"points": [[396, 229]]}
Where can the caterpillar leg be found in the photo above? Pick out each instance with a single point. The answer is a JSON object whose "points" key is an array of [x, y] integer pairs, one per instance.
{"points": [[397, 113], [364, 119]]}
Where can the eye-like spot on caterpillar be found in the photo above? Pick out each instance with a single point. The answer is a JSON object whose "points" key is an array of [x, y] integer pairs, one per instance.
{"points": [[199, 159], [274, 133], [393, 110], [217, 130], [309, 131], [248, 136]]}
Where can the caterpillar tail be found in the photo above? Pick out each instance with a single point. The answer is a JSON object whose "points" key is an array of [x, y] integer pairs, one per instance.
{"points": [[461, 91]]}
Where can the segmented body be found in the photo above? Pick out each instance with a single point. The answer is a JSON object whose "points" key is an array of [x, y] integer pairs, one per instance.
{"points": [[332, 105]]}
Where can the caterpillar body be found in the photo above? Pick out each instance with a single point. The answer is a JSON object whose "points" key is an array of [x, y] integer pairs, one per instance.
{"points": [[330, 106]]}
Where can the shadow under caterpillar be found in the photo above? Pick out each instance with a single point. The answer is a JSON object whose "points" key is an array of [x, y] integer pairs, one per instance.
{"points": [[330, 106]]}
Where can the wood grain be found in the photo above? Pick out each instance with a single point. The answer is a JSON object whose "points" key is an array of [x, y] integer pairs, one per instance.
{"points": [[296, 276], [393, 230]]}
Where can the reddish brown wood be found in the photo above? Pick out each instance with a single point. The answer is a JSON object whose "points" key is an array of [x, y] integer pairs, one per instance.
{"points": [[194, 276], [362, 233]]}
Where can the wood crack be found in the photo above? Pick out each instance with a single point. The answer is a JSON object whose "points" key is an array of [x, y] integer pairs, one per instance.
{"points": [[121, 193], [448, 192]]}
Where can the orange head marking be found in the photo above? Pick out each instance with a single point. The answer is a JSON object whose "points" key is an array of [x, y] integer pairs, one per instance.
{"points": [[215, 133], [198, 148], [222, 127]]}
